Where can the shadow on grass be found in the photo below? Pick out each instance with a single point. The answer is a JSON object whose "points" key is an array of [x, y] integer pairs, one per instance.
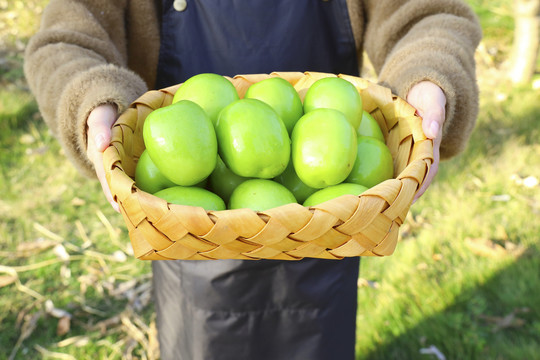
{"points": [[499, 319]]}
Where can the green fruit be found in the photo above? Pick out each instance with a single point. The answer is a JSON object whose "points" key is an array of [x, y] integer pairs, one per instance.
{"points": [[212, 92], [323, 148], [253, 141], [291, 181], [148, 177], [192, 196], [223, 181], [181, 141], [335, 93], [281, 96], [333, 192], [260, 195], [373, 163], [370, 127]]}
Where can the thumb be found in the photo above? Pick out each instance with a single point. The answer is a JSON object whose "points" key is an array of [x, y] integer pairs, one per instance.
{"points": [[433, 120], [99, 123], [430, 102]]}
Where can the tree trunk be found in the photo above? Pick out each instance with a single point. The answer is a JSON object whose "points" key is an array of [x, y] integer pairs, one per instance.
{"points": [[526, 40]]}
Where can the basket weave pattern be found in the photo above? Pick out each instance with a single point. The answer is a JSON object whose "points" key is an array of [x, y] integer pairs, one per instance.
{"points": [[364, 225]]}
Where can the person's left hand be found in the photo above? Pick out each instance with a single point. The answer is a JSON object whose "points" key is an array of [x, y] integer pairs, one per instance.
{"points": [[429, 101]]}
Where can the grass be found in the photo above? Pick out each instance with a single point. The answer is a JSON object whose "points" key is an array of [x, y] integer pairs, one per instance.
{"points": [[463, 281], [46, 207], [472, 261]]}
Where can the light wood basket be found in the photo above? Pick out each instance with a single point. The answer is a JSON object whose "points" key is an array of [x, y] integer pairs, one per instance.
{"points": [[364, 225]]}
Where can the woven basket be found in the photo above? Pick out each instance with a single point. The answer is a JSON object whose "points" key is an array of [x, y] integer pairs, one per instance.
{"points": [[364, 225]]}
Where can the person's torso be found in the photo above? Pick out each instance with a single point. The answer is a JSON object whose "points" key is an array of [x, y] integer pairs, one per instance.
{"points": [[243, 37]]}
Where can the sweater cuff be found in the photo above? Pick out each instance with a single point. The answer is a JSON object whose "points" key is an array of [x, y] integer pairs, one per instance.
{"points": [[99, 85]]}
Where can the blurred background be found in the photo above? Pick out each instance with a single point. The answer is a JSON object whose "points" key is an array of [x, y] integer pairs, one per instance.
{"points": [[464, 282]]}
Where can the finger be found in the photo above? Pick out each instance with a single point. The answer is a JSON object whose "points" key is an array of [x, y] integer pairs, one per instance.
{"points": [[427, 182], [97, 160], [96, 157], [434, 168], [100, 172]]}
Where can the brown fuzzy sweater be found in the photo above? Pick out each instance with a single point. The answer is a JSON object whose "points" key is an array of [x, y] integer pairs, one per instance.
{"points": [[90, 52]]}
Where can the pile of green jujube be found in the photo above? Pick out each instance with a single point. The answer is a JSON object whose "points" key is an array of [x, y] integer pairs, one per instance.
{"points": [[211, 149]]}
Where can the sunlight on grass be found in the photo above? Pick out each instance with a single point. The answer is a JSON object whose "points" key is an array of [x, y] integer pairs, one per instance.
{"points": [[478, 223], [42, 190], [19, 19]]}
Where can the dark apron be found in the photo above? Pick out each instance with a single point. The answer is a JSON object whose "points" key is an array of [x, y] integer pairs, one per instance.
{"points": [[266, 309]]}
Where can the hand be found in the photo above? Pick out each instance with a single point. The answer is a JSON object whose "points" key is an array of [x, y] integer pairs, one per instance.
{"points": [[99, 124], [429, 101]]}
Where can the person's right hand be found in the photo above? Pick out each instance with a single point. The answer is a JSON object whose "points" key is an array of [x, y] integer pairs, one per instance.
{"points": [[100, 122]]}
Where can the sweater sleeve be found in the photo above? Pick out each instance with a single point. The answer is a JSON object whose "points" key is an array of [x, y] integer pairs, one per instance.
{"points": [[435, 40], [75, 62]]}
